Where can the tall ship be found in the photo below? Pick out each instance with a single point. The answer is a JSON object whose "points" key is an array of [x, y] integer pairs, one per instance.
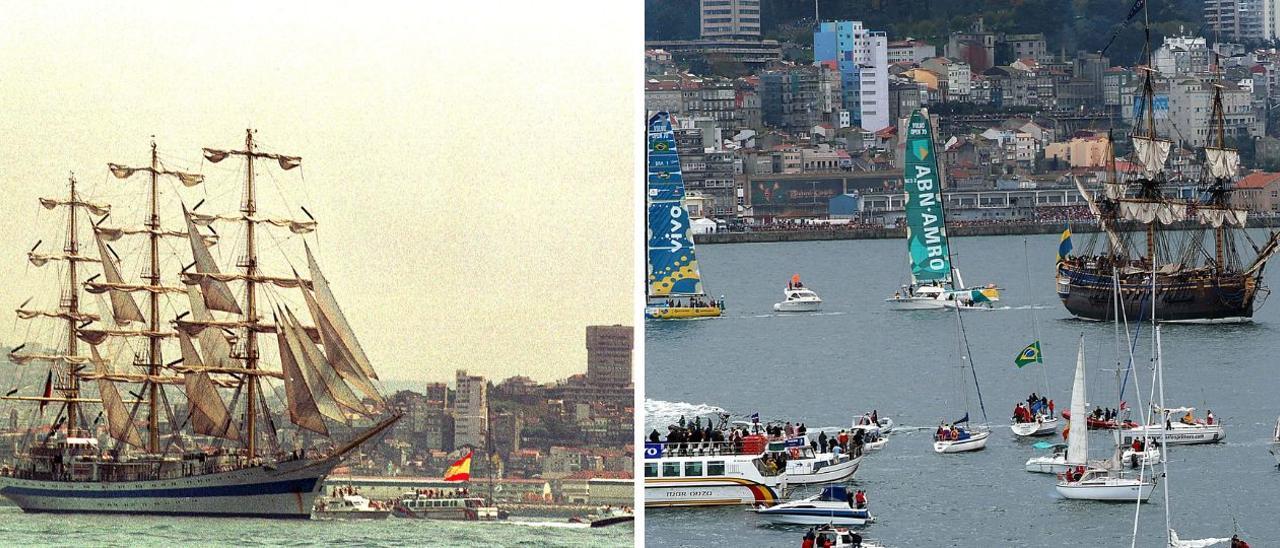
{"points": [[177, 406], [935, 282], [1201, 274], [673, 284]]}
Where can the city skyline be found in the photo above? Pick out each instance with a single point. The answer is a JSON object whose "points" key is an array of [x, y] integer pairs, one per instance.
{"points": [[401, 149]]}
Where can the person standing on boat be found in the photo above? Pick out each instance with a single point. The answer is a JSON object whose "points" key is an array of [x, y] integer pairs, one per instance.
{"points": [[1237, 542], [860, 499], [1209, 418], [808, 539], [822, 441], [843, 438]]}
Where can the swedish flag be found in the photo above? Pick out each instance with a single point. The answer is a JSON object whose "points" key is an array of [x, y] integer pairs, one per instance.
{"points": [[1064, 247], [1030, 354]]}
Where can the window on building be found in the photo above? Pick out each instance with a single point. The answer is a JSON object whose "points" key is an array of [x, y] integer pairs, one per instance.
{"points": [[670, 469]]}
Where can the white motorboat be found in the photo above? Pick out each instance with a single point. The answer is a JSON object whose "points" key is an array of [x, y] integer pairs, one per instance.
{"points": [[798, 298], [885, 424], [872, 436], [967, 441], [808, 467], [348, 506], [1149, 456], [1106, 485], [1042, 426], [834, 505], [1175, 542], [840, 537], [1177, 432], [1053, 463]]}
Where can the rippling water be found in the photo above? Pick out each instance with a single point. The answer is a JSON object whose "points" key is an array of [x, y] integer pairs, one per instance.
{"points": [[21, 529], [856, 355]]}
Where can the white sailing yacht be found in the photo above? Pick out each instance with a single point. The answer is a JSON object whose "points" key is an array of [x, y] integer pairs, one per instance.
{"points": [[1038, 418], [1085, 482]]}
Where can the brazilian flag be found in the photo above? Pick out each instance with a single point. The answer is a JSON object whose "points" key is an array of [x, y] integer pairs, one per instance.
{"points": [[1030, 354]]}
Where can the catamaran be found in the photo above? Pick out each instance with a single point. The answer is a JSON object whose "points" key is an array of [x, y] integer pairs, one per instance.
{"points": [[674, 285], [935, 283], [204, 456]]}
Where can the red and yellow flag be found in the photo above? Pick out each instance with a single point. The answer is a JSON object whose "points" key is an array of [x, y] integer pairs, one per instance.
{"points": [[460, 470]]}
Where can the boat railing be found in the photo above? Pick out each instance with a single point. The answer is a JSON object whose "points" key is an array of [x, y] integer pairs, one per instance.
{"points": [[701, 449]]}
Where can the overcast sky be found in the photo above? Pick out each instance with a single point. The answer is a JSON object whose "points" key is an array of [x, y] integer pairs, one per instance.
{"points": [[471, 165]]}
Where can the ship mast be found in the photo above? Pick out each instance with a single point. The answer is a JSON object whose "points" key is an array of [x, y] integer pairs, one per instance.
{"points": [[1217, 189], [72, 302], [250, 264], [153, 355], [1148, 96]]}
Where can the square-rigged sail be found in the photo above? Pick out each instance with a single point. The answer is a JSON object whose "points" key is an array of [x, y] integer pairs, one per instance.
{"points": [[673, 269], [926, 228]]}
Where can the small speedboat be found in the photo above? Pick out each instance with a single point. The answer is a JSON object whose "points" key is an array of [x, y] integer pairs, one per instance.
{"points": [[966, 441], [832, 506], [1042, 426], [611, 516], [872, 436], [884, 423], [798, 298], [1105, 485], [840, 537], [349, 507], [1053, 463]]}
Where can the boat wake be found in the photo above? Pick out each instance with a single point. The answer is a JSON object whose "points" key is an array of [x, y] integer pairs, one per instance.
{"points": [[659, 413], [557, 524]]}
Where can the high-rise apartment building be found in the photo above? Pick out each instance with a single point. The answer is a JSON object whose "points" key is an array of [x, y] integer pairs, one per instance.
{"points": [[862, 57], [609, 355], [731, 19], [470, 410]]}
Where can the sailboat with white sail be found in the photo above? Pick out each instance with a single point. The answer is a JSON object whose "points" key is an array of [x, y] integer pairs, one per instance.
{"points": [[956, 438], [673, 283], [1081, 481], [935, 282], [1037, 418], [209, 457]]}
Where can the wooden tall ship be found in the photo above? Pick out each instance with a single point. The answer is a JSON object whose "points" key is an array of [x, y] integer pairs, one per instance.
{"points": [[171, 407], [1201, 274]]}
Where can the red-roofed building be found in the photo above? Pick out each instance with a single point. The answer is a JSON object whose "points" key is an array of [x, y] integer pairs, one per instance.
{"points": [[1258, 192]]}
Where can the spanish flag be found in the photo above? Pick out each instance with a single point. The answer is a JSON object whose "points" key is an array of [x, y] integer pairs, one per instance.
{"points": [[1064, 247], [460, 470]]}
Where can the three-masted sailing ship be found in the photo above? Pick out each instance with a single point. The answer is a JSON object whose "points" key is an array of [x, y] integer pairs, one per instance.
{"points": [[673, 283], [1195, 282], [197, 433]]}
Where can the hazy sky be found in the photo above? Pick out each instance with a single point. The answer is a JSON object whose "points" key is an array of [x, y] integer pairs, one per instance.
{"points": [[471, 165]]}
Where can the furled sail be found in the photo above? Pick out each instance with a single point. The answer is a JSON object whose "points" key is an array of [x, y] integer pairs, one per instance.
{"points": [[122, 305], [303, 410], [1152, 154], [214, 345], [113, 234], [294, 226], [217, 295], [124, 172], [1078, 433], [1152, 211], [331, 312], [28, 314], [673, 268], [41, 259], [118, 423], [1217, 216], [26, 358], [1222, 163], [926, 230], [209, 415], [324, 381], [94, 208]]}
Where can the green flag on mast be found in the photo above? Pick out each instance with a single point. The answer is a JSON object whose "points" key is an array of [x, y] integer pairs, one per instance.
{"points": [[1030, 354]]}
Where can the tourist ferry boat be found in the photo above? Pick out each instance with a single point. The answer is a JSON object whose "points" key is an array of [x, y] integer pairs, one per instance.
{"points": [[150, 469], [708, 474], [463, 508], [673, 283], [349, 506]]}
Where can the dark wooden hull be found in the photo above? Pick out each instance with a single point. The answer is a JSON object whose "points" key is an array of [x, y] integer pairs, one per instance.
{"points": [[1087, 294]]}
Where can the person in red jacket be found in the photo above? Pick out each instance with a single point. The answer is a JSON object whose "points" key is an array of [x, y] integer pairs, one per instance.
{"points": [[860, 499], [1237, 542], [808, 540]]}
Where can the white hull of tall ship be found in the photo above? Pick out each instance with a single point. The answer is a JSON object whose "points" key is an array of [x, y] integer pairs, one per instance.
{"points": [[1041, 427], [1179, 434], [802, 472], [975, 442], [283, 490], [1106, 489]]}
